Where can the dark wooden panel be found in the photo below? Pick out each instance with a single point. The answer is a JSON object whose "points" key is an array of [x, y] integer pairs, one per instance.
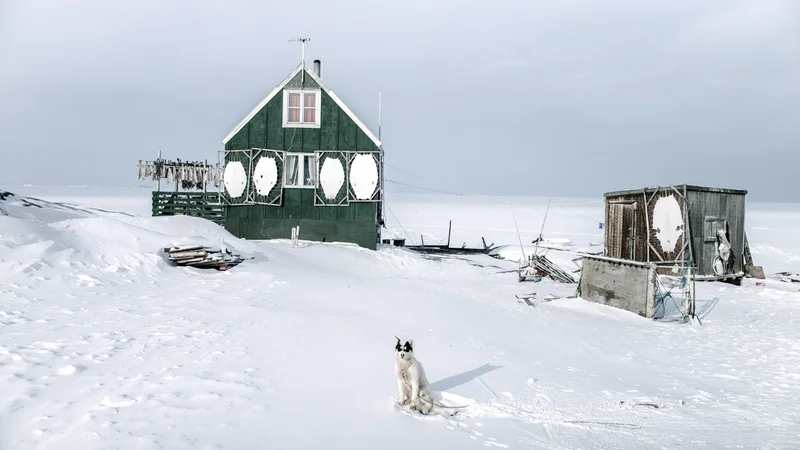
{"points": [[258, 129], [708, 211], [328, 212], [345, 212], [274, 123], [614, 233], [309, 211], [272, 212], [292, 204], [196, 204], [329, 124], [347, 132], [237, 212], [364, 211], [311, 139], [363, 142], [240, 140], [232, 226]]}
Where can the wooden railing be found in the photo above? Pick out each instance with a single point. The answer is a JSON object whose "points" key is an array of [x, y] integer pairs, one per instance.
{"points": [[196, 204]]}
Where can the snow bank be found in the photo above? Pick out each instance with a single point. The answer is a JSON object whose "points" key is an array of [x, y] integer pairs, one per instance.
{"points": [[104, 345]]}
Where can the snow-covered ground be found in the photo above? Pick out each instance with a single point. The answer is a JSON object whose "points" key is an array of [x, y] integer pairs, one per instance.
{"points": [[103, 344]]}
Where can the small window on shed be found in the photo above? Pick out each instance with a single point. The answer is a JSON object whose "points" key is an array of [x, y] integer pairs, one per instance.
{"points": [[710, 227], [301, 108]]}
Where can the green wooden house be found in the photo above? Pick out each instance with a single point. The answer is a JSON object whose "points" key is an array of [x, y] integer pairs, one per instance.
{"points": [[302, 158]]}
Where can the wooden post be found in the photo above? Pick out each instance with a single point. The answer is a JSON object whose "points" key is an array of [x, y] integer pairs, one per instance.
{"points": [[449, 229], [158, 175]]}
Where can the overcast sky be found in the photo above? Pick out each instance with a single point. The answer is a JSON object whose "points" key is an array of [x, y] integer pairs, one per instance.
{"points": [[528, 97]]}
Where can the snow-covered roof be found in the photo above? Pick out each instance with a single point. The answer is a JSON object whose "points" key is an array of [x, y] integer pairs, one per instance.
{"points": [[322, 86]]}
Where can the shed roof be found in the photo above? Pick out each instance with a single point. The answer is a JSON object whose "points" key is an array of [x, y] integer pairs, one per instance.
{"points": [[689, 187], [322, 86]]}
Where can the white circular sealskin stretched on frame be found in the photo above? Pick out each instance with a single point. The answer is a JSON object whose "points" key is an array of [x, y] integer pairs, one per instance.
{"points": [[667, 222], [265, 175], [331, 177], [363, 176], [235, 179]]}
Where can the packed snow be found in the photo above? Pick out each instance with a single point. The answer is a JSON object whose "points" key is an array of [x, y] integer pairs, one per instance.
{"points": [[104, 344]]}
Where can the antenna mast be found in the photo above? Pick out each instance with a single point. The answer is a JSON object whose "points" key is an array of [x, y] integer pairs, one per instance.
{"points": [[302, 41]]}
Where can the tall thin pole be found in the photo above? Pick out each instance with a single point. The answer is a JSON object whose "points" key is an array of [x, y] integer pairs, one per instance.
{"points": [[383, 183], [302, 42], [536, 248]]}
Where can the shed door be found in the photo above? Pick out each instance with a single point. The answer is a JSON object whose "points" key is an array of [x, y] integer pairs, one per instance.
{"points": [[716, 238], [622, 230]]}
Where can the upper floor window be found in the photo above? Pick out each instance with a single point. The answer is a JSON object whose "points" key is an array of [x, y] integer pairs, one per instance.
{"points": [[301, 107]]}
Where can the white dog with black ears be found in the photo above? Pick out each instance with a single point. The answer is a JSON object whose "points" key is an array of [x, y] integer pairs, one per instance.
{"points": [[412, 385]]}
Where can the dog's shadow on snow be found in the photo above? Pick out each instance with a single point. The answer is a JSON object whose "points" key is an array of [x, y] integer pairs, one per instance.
{"points": [[462, 378]]}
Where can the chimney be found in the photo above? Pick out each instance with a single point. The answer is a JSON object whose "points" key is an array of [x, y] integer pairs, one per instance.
{"points": [[318, 68]]}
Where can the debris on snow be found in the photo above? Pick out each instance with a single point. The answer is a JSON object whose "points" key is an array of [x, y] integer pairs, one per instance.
{"points": [[538, 266], [202, 257], [788, 277]]}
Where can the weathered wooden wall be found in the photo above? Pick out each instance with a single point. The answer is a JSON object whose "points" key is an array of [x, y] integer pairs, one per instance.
{"points": [[719, 205], [619, 237], [197, 204], [698, 204], [621, 284], [356, 222]]}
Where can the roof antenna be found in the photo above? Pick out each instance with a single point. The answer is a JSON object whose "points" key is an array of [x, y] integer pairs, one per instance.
{"points": [[302, 41]]}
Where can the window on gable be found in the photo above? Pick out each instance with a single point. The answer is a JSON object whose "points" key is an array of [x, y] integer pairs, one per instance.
{"points": [[301, 108], [300, 170]]}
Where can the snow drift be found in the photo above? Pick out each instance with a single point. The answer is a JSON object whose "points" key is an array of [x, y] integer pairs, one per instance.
{"points": [[103, 344]]}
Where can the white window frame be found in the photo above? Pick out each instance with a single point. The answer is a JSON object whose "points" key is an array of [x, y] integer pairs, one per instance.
{"points": [[303, 106], [301, 171]]}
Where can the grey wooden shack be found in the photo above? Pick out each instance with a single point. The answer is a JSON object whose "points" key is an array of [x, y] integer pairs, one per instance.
{"points": [[677, 225]]}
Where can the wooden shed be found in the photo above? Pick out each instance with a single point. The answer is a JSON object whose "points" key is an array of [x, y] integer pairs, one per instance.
{"points": [[679, 224], [302, 158]]}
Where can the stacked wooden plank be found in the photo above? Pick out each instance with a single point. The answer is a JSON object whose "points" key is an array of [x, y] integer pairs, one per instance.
{"points": [[202, 257], [547, 267]]}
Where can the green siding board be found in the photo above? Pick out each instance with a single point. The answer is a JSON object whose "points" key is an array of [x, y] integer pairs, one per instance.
{"points": [[347, 132], [363, 142], [239, 140], [360, 232], [302, 81], [232, 225], [308, 210], [258, 130], [272, 212], [363, 211], [293, 140], [318, 230], [237, 212], [329, 124], [328, 212], [275, 123], [344, 213], [292, 204], [311, 140], [295, 82]]}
